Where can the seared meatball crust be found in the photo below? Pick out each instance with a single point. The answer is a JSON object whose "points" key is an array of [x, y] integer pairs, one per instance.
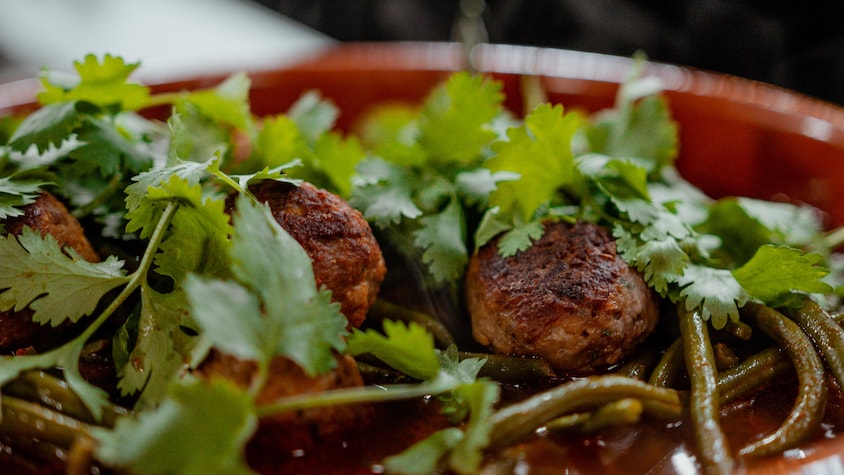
{"points": [[569, 298], [301, 429], [345, 255], [48, 216]]}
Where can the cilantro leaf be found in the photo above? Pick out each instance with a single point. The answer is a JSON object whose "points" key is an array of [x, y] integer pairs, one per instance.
{"points": [[640, 126], [57, 284], [104, 82], [453, 123], [407, 348], [227, 103], [777, 270], [106, 149], [715, 291], [298, 320], [540, 153], [314, 115], [383, 193], [443, 236], [519, 238], [162, 348], [48, 126], [15, 194], [201, 428]]}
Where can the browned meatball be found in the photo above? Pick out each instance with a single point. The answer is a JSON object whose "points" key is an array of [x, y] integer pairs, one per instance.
{"points": [[569, 298], [46, 215], [301, 429], [346, 257]]}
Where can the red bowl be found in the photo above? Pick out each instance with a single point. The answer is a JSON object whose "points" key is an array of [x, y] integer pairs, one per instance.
{"points": [[738, 137]]}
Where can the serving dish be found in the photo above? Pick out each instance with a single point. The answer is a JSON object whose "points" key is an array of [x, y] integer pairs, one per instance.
{"points": [[737, 137]]}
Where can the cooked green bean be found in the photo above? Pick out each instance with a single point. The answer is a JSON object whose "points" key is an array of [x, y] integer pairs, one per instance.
{"points": [[30, 419], [54, 393], [512, 423], [511, 368], [384, 310], [641, 365], [623, 411], [669, 366], [807, 411], [752, 373], [704, 399], [825, 332]]}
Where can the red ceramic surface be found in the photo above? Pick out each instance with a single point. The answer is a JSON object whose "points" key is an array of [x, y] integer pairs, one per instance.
{"points": [[738, 137]]}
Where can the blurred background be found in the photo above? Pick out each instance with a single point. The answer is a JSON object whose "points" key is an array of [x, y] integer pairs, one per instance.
{"points": [[798, 45]]}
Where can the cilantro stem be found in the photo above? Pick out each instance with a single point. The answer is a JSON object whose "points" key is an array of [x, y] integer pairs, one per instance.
{"points": [[140, 275], [115, 184], [358, 395], [162, 99]]}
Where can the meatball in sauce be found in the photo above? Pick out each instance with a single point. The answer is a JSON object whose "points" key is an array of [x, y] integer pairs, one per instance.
{"points": [[48, 216], [345, 255], [569, 298]]}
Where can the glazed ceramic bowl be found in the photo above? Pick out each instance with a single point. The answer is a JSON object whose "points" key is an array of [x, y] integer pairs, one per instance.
{"points": [[738, 137]]}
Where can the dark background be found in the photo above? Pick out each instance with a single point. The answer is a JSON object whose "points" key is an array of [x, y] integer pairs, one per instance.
{"points": [[795, 44]]}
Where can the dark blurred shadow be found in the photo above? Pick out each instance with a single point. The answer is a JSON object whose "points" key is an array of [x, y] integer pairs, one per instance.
{"points": [[792, 44]]}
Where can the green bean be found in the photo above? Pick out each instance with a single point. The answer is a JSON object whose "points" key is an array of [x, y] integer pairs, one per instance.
{"points": [[54, 393], [29, 419], [669, 366], [808, 409], [511, 368], [623, 411], [752, 373], [825, 332], [384, 310], [641, 365], [512, 423], [704, 402]]}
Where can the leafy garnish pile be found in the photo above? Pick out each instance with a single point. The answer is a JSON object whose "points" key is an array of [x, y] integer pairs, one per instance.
{"points": [[435, 179]]}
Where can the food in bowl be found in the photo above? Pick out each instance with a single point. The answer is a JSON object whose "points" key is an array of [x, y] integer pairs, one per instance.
{"points": [[201, 338]]}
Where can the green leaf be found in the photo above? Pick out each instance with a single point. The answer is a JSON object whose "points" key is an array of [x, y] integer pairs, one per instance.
{"points": [[777, 270], [454, 123], [227, 103], [106, 149], [46, 127], [477, 184], [314, 115], [540, 153], [143, 212], [481, 397], [300, 321], [15, 194], [640, 127], [407, 348], [519, 238], [230, 316], [56, 284], [715, 291], [202, 428], [197, 241], [443, 238], [102, 82], [391, 131], [661, 261], [423, 457], [384, 193], [162, 349]]}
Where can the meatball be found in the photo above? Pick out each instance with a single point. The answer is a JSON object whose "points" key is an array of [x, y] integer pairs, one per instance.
{"points": [[345, 255], [569, 298], [300, 429], [46, 215]]}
